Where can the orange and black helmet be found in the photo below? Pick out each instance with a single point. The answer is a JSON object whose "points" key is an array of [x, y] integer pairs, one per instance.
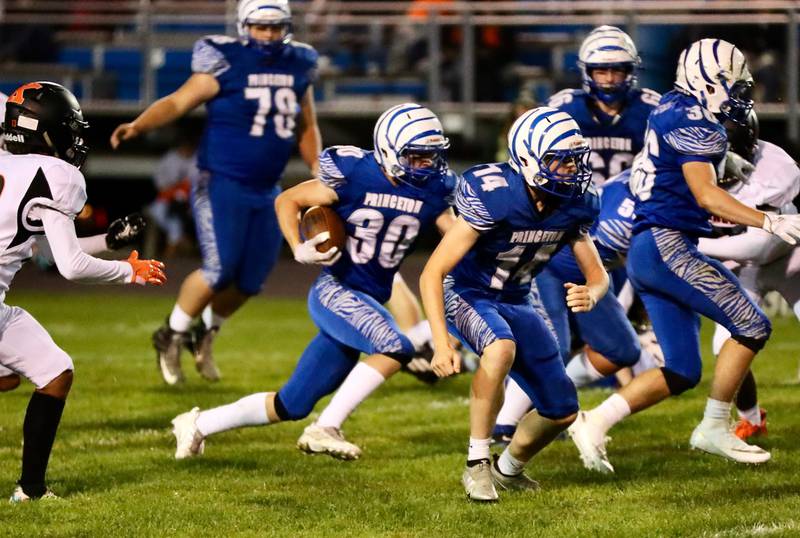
{"points": [[44, 117]]}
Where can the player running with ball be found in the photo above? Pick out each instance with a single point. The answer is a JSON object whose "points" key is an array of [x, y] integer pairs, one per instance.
{"points": [[386, 198]]}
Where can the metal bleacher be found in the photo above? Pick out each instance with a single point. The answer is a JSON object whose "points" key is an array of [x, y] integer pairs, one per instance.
{"points": [[118, 55]]}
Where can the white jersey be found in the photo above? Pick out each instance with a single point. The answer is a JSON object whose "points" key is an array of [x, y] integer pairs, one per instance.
{"points": [[3, 99], [28, 182], [775, 182]]}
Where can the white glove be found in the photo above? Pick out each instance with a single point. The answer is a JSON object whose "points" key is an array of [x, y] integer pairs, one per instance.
{"points": [[787, 227], [306, 252]]}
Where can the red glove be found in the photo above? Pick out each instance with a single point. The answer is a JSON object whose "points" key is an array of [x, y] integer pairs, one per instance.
{"points": [[146, 271]]}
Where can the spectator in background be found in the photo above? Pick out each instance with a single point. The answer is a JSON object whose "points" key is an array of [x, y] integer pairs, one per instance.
{"points": [[170, 210]]}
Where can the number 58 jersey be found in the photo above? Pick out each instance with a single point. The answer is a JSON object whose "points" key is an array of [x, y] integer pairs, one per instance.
{"points": [[516, 238], [382, 220], [250, 130]]}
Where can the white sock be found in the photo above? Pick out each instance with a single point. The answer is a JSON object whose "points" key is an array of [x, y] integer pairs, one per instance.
{"points": [[358, 385], [581, 371], [646, 362], [509, 465], [717, 412], [179, 320], [796, 309], [420, 334], [211, 319], [249, 411], [515, 405], [752, 415], [611, 411], [478, 449]]}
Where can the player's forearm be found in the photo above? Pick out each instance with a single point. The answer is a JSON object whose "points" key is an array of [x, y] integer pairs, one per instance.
{"points": [[164, 111], [432, 292], [72, 262], [718, 202], [310, 147], [288, 212]]}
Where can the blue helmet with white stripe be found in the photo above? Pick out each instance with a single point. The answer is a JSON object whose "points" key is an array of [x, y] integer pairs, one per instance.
{"points": [[264, 12], [410, 145], [608, 47], [715, 73], [547, 148]]}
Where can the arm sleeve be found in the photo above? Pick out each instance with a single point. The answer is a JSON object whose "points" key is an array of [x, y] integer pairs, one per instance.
{"points": [[72, 262], [695, 143], [472, 208]]}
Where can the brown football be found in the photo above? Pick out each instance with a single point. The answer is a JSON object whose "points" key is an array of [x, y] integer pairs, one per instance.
{"points": [[320, 219]]}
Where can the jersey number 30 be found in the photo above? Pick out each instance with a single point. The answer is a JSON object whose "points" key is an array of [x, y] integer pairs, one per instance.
{"points": [[285, 110], [400, 235]]}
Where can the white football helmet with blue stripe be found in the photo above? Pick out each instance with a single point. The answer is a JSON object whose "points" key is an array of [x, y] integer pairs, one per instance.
{"points": [[542, 143], [268, 12], [608, 47], [715, 73], [406, 130]]}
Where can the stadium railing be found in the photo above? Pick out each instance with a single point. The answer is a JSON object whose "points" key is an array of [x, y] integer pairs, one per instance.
{"points": [[104, 44]]}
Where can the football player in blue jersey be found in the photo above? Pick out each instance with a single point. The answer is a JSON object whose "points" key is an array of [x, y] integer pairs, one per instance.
{"points": [[613, 344], [258, 94], [385, 198], [512, 218], [674, 181], [609, 108]]}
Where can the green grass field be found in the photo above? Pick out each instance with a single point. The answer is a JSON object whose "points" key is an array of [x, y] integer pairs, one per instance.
{"points": [[113, 464]]}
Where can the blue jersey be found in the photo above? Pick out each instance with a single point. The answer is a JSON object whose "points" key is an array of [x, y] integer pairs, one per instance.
{"points": [[614, 140], [250, 130], [382, 220], [679, 131], [516, 239], [614, 227]]}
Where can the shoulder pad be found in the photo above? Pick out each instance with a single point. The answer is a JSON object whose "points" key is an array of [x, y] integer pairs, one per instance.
{"points": [[564, 98], [306, 52], [207, 57], [67, 185], [650, 97], [337, 162]]}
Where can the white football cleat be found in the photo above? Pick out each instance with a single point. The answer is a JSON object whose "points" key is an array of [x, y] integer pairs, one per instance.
{"points": [[591, 443], [327, 440], [721, 441], [189, 441], [20, 496], [478, 482]]}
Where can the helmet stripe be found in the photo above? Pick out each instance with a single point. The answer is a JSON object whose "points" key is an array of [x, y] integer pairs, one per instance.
{"points": [[700, 63]]}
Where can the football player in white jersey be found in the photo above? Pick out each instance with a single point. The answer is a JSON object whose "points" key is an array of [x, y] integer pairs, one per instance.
{"points": [[763, 262], [42, 192]]}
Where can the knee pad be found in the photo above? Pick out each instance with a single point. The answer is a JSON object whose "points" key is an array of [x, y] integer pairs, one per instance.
{"points": [[294, 411], [753, 344], [678, 383]]}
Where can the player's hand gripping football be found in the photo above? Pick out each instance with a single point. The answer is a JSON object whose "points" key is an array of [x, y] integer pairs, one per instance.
{"points": [[787, 227], [446, 361], [579, 297], [146, 271], [125, 231], [123, 132], [306, 252]]}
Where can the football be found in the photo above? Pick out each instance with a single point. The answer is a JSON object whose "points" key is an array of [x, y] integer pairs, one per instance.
{"points": [[320, 219]]}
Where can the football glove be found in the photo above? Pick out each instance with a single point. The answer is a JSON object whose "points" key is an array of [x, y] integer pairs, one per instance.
{"points": [[306, 252], [146, 271], [787, 227], [125, 231]]}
